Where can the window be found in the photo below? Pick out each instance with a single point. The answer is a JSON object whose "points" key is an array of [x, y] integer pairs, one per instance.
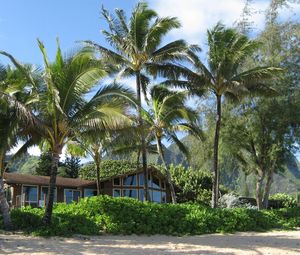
{"points": [[141, 179], [163, 197], [90, 192], [30, 195], [141, 195], [155, 182], [156, 196], [130, 193], [117, 193], [130, 180], [44, 196], [72, 195], [117, 182]]}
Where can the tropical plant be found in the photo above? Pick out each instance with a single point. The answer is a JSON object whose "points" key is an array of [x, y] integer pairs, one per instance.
{"points": [[138, 51], [63, 111], [224, 76], [12, 83], [167, 115]]}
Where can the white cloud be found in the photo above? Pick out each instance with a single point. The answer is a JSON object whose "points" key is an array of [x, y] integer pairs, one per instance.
{"points": [[196, 16]]}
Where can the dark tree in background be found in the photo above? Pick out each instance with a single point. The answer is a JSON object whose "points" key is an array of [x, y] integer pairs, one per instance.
{"points": [[71, 167], [44, 165]]}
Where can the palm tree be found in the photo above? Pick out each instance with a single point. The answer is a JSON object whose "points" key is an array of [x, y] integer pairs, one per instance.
{"points": [[167, 115], [138, 52], [62, 111], [226, 76], [12, 82]]}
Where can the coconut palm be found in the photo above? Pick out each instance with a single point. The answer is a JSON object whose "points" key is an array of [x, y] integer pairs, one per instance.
{"points": [[167, 115], [224, 76], [63, 110], [138, 50], [12, 82]]}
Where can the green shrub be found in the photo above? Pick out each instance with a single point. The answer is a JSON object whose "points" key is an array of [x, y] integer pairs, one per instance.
{"points": [[100, 214], [284, 200]]}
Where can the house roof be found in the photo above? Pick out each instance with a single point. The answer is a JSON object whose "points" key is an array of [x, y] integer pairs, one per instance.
{"points": [[15, 178]]}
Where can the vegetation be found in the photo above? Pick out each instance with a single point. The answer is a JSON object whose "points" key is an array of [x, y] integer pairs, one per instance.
{"points": [[243, 125], [104, 214]]}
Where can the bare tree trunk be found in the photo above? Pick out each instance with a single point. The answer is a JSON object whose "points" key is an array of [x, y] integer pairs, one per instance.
{"points": [[259, 185], [52, 184], [4, 207], [168, 174], [268, 188], [215, 191], [143, 142]]}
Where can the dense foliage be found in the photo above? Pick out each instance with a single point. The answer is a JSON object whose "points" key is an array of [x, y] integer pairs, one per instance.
{"points": [[284, 200], [108, 169], [104, 214]]}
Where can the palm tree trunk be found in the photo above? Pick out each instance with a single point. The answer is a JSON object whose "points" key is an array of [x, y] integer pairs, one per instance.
{"points": [[52, 184], [168, 174], [4, 207], [258, 190], [98, 162], [143, 142], [267, 189], [215, 192]]}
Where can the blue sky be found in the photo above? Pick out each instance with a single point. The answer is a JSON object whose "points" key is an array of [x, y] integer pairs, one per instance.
{"points": [[22, 22]]}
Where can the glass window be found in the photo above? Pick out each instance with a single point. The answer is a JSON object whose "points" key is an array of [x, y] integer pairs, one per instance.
{"points": [[130, 193], [68, 196], [72, 195], [117, 193], [76, 195], [141, 179], [141, 194], [117, 182], [130, 180], [149, 181], [163, 197], [30, 195], [44, 196], [155, 182], [156, 196], [90, 192]]}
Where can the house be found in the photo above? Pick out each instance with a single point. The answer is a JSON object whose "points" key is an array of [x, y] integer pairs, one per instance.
{"points": [[25, 189]]}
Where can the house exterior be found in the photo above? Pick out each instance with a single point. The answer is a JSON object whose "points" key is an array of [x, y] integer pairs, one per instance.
{"points": [[25, 189]]}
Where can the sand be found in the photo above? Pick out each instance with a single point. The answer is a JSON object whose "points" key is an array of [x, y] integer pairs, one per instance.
{"points": [[277, 242]]}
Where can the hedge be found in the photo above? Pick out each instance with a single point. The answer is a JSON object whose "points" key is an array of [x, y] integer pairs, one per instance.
{"points": [[104, 214]]}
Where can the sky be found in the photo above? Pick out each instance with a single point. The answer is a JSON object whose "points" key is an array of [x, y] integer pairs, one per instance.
{"points": [[22, 22]]}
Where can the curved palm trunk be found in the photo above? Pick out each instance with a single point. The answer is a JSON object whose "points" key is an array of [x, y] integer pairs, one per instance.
{"points": [[52, 184], [215, 191], [97, 159], [4, 207], [267, 189], [143, 142], [168, 174]]}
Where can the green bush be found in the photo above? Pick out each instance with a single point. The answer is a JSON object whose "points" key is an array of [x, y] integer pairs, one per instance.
{"points": [[100, 214], [284, 200]]}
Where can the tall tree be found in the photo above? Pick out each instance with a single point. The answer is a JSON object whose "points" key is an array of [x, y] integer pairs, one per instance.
{"points": [[62, 109], [168, 114], [12, 83], [138, 51], [270, 125], [72, 166], [223, 77]]}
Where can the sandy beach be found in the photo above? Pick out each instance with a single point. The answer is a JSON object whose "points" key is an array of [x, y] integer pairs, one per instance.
{"points": [[277, 242]]}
